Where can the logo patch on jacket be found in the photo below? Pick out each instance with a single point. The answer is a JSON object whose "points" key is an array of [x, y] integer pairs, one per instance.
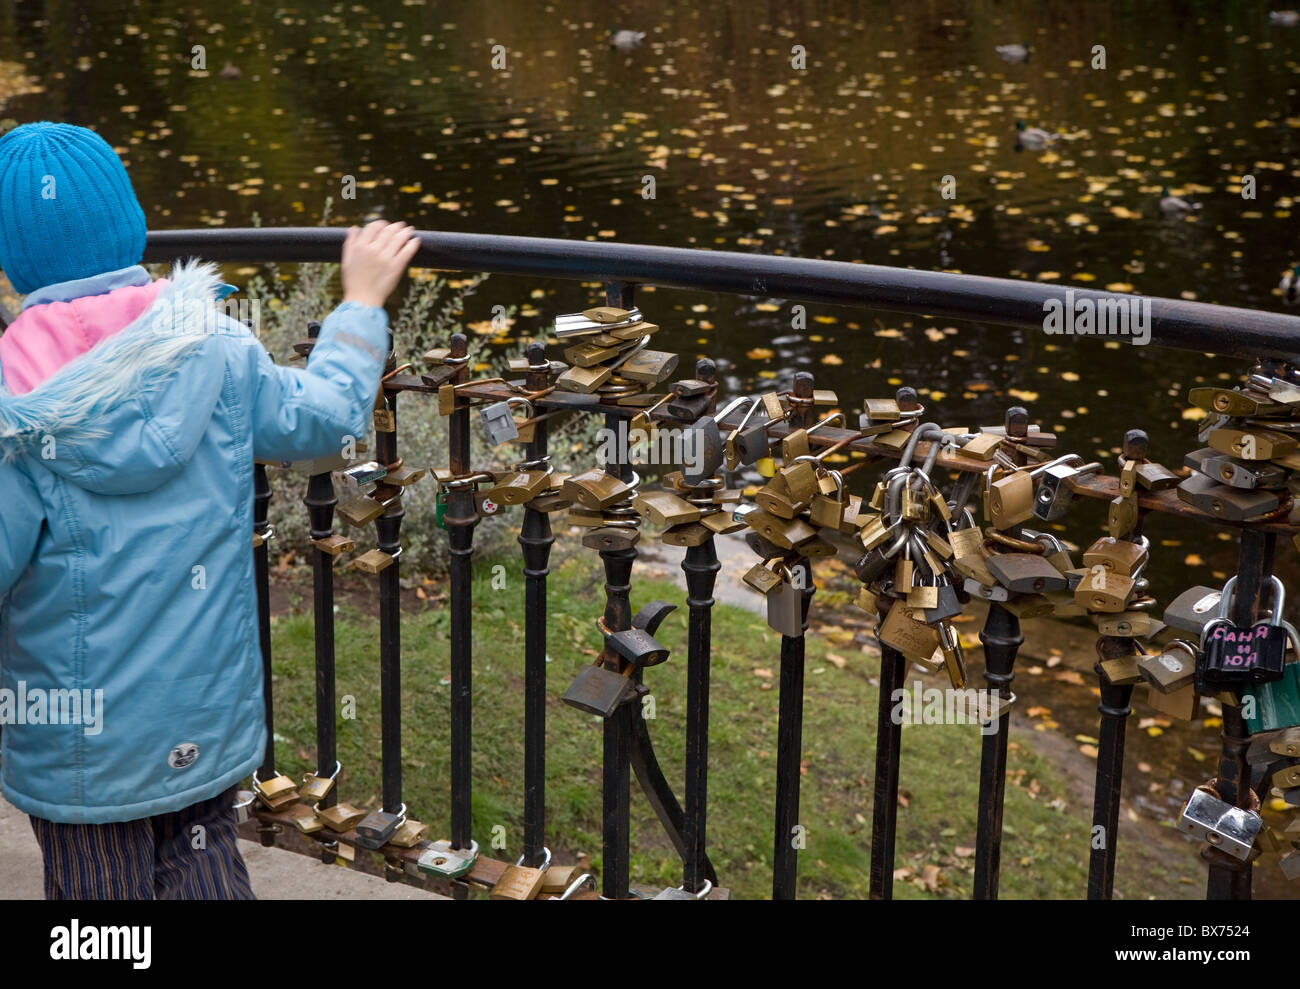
{"points": [[183, 756]]}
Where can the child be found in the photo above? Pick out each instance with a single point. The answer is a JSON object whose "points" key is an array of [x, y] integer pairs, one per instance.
{"points": [[130, 415]]}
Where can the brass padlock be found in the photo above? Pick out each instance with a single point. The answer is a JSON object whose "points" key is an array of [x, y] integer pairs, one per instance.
{"points": [[582, 380], [1252, 444], [521, 486], [761, 578], [595, 490], [341, 817], [1011, 500], [687, 534], [589, 354], [663, 508], [900, 630], [276, 793], [373, 562], [651, 367], [1119, 555], [360, 511], [785, 533], [1121, 671], [1131, 625], [315, 788], [1104, 590]]}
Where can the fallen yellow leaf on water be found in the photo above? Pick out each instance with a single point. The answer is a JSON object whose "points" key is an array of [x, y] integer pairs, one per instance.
{"points": [[1089, 750]]}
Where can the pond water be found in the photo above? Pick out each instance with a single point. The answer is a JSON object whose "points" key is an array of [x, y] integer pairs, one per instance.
{"points": [[844, 158]]}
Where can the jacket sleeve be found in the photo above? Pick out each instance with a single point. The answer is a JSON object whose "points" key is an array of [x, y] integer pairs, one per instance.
{"points": [[20, 524], [299, 414]]}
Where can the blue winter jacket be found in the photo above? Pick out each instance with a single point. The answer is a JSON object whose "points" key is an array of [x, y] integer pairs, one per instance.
{"points": [[126, 514]]}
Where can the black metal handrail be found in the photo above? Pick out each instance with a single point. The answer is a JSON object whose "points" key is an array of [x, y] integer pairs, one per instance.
{"points": [[1196, 326], [1173, 323]]}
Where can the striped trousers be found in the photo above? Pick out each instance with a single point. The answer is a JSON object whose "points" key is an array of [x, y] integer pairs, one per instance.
{"points": [[189, 854]]}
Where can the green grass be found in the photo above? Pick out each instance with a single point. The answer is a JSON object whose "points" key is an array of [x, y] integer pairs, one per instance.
{"points": [[1044, 851]]}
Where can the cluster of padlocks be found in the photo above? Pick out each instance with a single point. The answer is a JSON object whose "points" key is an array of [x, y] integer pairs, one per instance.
{"points": [[1247, 471], [940, 529]]}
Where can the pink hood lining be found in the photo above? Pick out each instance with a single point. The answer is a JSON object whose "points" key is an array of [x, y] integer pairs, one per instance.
{"points": [[44, 338]]}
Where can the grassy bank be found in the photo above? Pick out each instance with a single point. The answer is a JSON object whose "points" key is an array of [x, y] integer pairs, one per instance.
{"points": [[1045, 847]]}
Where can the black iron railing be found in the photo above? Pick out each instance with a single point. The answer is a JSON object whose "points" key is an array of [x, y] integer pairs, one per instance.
{"points": [[1272, 339]]}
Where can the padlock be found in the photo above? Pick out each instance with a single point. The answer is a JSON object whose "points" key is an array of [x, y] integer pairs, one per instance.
{"points": [[690, 399], [360, 511], [828, 511], [315, 788], [1054, 495], [1287, 778], [1172, 669], [440, 859], [650, 367], [953, 660], [1104, 590], [341, 817], [277, 793], [377, 827], [948, 603], [747, 443], [499, 424], [1130, 625], [1233, 403], [243, 802], [1011, 498], [1228, 828], [1181, 704], [522, 486], [306, 820], [784, 533], [559, 878], [1275, 705], [703, 449], [1117, 555], [597, 320], [591, 352], [663, 508], [600, 691], [583, 380], [762, 578], [637, 646], [518, 882], [900, 630], [409, 834], [1286, 743], [1252, 444], [1121, 671], [373, 561], [981, 446], [786, 609], [1235, 655], [1191, 610], [595, 490], [1156, 477], [878, 560], [1025, 573], [1223, 501], [1236, 473], [1026, 606]]}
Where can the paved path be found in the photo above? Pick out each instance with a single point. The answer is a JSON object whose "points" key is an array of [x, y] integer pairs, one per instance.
{"points": [[277, 873]]}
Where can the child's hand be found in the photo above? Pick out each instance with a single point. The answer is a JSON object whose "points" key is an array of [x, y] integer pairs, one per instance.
{"points": [[374, 260]]}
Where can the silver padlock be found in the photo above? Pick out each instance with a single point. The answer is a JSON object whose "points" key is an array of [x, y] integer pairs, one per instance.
{"points": [[785, 605], [499, 423], [440, 859], [1232, 829], [677, 893], [977, 590], [243, 801], [366, 472]]}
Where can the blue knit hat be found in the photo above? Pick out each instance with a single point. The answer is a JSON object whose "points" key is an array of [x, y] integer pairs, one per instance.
{"points": [[67, 209]]}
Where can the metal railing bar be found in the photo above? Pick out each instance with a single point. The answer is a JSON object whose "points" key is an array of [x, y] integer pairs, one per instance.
{"points": [[1175, 323]]}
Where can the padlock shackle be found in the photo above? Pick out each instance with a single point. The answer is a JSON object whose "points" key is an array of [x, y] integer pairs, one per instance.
{"points": [[1229, 594], [727, 409]]}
